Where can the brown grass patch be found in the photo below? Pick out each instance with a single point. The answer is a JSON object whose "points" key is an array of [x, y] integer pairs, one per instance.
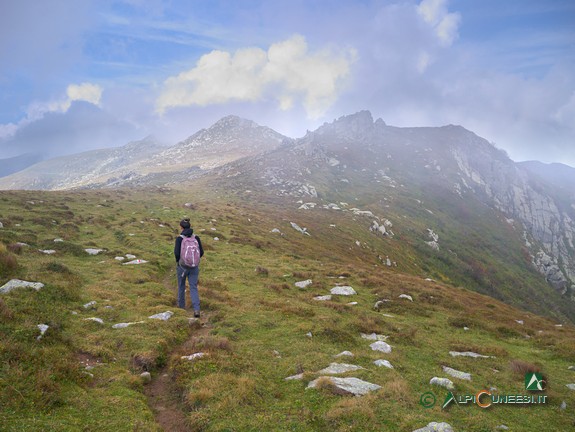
{"points": [[262, 271], [5, 312], [521, 367], [397, 390], [350, 411]]}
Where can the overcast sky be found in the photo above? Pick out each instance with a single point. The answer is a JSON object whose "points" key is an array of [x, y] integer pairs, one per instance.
{"points": [[83, 74]]}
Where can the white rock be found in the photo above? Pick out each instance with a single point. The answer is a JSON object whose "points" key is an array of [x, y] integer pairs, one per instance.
{"points": [[146, 377], [276, 231], [436, 427], [352, 303], [90, 305], [194, 356], [303, 284], [22, 244], [136, 261], [47, 251], [563, 406], [124, 325], [308, 334], [58, 240], [388, 315], [216, 239], [91, 251], [119, 258], [571, 368], [374, 337], [322, 298], [343, 290], [17, 283], [42, 328], [130, 256], [443, 382], [381, 363], [457, 374], [164, 316], [501, 427], [339, 368], [405, 296], [351, 385], [570, 386], [465, 328], [1, 225], [468, 354], [381, 346], [298, 228], [519, 322], [98, 320], [294, 377], [344, 354]]}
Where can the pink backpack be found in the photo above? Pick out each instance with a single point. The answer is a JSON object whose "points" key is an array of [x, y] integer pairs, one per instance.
{"points": [[190, 252]]}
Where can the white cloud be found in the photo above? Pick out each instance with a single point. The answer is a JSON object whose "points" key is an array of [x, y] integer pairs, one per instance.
{"points": [[86, 92], [287, 72], [445, 24]]}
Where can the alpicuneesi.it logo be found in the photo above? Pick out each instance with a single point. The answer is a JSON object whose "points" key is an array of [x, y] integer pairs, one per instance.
{"points": [[484, 398]]}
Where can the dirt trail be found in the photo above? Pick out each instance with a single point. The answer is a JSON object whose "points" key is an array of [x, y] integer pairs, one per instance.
{"points": [[164, 398]]}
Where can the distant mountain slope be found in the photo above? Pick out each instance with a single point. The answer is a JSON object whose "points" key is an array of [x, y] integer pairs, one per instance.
{"points": [[14, 164], [146, 162], [83, 168]]}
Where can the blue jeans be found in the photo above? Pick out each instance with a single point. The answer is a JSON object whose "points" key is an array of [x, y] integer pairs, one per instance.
{"points": [[192, 276]]}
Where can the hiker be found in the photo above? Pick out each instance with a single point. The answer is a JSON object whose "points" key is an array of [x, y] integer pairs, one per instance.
{"points": [[188, 251]]}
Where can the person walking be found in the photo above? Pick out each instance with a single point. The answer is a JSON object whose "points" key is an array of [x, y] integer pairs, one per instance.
{"points": [[188, 250]]}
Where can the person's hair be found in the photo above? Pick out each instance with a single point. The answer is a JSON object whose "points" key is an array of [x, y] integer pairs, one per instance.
{"points": [[185, 223]]}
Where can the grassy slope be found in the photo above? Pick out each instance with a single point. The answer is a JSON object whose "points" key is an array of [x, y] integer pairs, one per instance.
{"points": [[240, 384]]}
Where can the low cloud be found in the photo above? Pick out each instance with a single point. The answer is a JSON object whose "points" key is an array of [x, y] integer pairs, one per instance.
{"points": [[287, 73], [445, 24]]}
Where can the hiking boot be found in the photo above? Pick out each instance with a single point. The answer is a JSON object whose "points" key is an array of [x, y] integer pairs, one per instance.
{"points": [[196, 314]]}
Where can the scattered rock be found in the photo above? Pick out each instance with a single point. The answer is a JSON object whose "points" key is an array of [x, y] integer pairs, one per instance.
{"points": [[298, 228], [93, 251], [572, 368], [164, 316], [130, 256], [563, 406], [303, 284], [90, 305], [42, 328], [294, 377], [58, 240], [309, 335], [379, 304], [468, 354], [98, 320], [344, 354], [124, 325], [339, 368], [17, 283], [519, 322], [276, 231], [374, 337], [343, 290], [436, 427], [381, 346], [443, 382], [194, 356], [352, 303], [381, 363], [405, 296], [349, 385], [570, 386], [388, 316], [323, 298], [47, 251], [136, 261], [501, 427], [465, 328], [118, 258], [216, 239], [457, 374], [1, 225], [146, 377]]}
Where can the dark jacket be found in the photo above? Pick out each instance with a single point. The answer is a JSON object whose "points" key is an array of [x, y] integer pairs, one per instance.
{"points": [[178, 246]]}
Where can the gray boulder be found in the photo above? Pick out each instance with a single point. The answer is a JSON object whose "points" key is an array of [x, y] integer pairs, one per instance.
{"points": [[436, 427], [17, 283], [350, 385], [443, 382], [457, 374], [339, 368], [343, 290], [381, 346]]}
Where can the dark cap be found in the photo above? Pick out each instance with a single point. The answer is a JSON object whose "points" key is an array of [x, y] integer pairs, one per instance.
{"points": [[185, 223]]}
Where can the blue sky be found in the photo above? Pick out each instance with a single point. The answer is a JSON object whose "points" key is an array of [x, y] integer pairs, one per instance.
{"points": [[85, 74]]}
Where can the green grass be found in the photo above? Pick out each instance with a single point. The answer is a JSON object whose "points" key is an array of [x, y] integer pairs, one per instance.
{"points": [[254, 314]]}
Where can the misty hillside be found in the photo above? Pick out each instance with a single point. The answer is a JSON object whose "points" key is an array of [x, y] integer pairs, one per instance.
{"points": [[501, 227]]}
